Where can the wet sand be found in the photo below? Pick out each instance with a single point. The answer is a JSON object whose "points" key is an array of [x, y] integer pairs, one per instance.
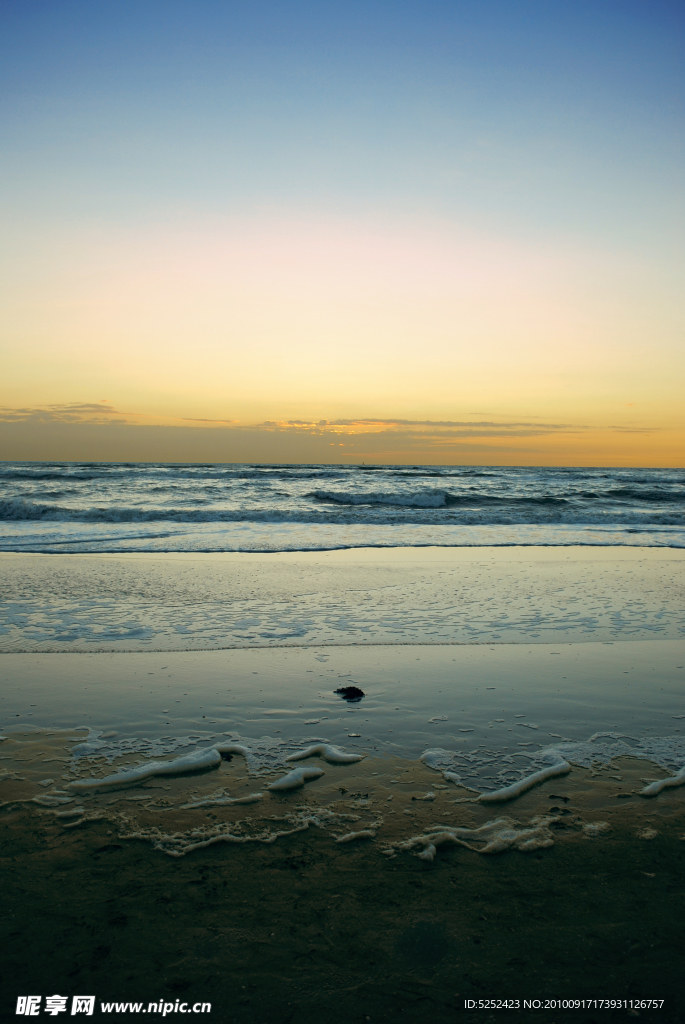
{"points": [[176, 602], [264, 914], [307, 931], [304, 928]]}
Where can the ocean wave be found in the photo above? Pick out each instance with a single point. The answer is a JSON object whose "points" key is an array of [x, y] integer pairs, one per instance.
{"points": [[419, 499], [271, 536], [193, 499], [436, 499], [434, 508], [168, 473], [656, 495], [40, 475]]}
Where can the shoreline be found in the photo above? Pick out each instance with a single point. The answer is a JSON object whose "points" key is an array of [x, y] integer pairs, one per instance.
{"points": [[427, 553], [400, 807], [181, 601], [489, 705]]}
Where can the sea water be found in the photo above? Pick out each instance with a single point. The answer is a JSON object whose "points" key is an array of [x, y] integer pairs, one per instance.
{"points": [[100, 507]]}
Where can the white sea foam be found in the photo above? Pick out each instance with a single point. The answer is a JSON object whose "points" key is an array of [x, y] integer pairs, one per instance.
{"points": [[595, 828], [110, 746], [365, 833], [329, 753], [296, 778], [477, 769], [50, 800], [437, 758], [604, 747], [232, 748], [222, 799], [657, 787], [523, 785], [199, 760], [496, 837], [264, 755], [180, 843], [271, 534], [494, 774], [71, 812]]}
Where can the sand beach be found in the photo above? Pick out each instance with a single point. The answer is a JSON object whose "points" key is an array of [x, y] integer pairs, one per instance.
{"points": [[390, 887]]}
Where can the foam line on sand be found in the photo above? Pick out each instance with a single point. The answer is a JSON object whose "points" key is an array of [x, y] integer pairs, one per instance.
{"points": [[328, 752], [296, 778], [517, 788], [199, 760], [499, 835], [656, 787]]}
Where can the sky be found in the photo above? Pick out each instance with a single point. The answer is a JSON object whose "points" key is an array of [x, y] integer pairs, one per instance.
{"points": [[446, 232]]}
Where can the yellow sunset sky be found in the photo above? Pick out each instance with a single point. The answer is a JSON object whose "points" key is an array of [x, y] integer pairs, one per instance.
{"points": [[394, 263]]}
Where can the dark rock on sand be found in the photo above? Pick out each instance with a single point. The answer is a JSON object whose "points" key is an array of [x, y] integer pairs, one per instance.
{"points": [[350, 693]]}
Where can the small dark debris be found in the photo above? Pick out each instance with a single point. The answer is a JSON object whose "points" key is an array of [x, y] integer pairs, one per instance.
{"points": [[225, 756], [566, 799], [350, 692]]}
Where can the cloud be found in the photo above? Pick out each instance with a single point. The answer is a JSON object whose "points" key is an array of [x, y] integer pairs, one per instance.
{"points": [[440, 423], [202, 419], [634, 430], [71, 412], [428, 431], [363, 437]]}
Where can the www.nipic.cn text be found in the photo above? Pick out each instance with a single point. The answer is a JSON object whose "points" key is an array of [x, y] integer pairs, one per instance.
{"points": [[33, 1006]]}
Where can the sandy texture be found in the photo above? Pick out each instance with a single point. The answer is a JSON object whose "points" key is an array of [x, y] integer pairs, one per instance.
{"points": [[509, 595], [308, 929], [319, 904], [395, 797]]}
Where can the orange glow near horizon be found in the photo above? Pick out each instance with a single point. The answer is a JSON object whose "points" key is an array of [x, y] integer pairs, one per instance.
{"points": [[324, 319]]}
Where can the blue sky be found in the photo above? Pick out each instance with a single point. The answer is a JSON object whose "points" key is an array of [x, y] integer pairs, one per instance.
{"points": [[546, 116]]}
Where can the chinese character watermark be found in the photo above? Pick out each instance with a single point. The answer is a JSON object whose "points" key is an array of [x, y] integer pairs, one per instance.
{"points": [[83, 1004], [55, 1004], [29, 1006]]}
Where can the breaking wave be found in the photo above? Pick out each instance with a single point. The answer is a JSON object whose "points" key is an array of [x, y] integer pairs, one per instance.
{"points": [[187, 500]]}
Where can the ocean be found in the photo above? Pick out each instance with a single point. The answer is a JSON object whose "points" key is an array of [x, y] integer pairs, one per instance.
{"points": [[117, 507]]}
